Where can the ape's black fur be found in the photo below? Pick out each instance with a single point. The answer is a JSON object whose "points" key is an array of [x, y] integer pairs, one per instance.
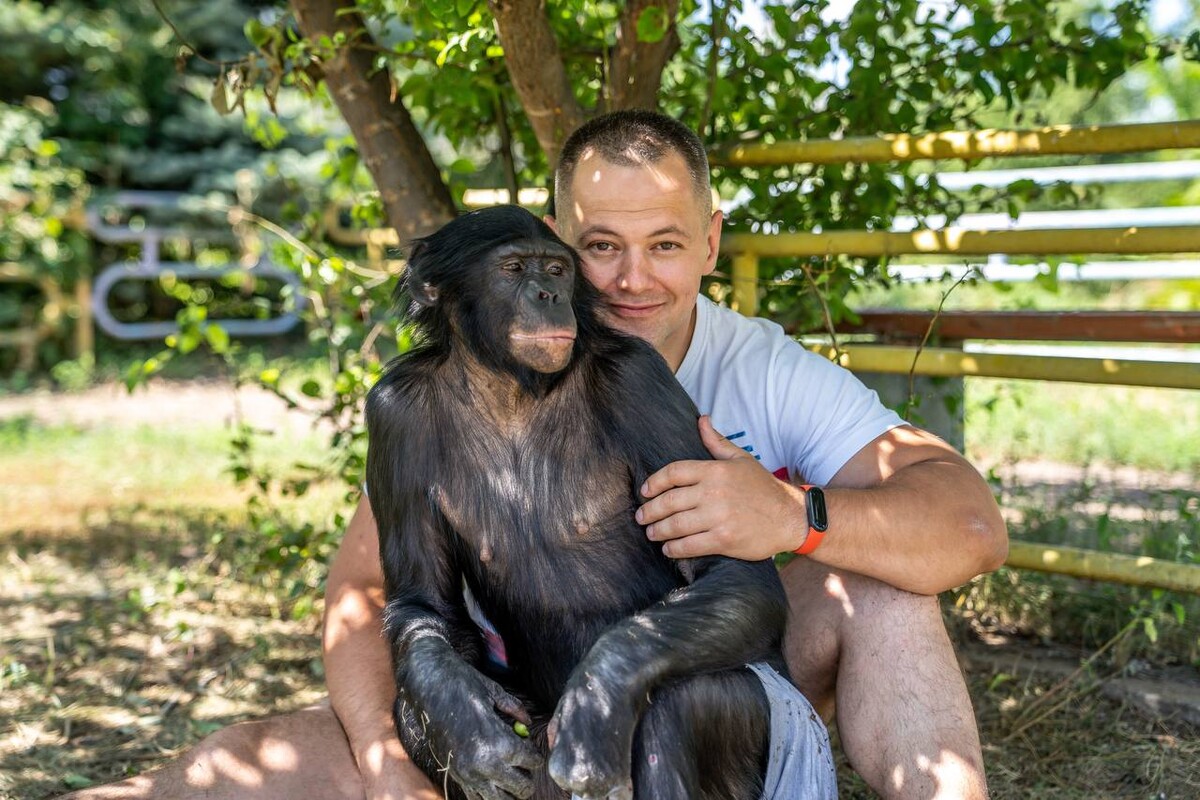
{"points": [[520, 482]]}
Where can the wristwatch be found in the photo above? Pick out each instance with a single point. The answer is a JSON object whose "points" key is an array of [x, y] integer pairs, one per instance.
{"points": [[818, 519]]}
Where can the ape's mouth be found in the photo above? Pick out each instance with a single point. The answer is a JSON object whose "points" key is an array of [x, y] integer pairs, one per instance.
{"points": [[548, 337]]}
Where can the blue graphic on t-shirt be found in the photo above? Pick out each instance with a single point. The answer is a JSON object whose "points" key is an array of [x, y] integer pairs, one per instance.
{"points": [[748, 448]]}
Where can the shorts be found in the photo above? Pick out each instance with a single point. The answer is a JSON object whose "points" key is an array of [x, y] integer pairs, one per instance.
{"points": [[800, 764]]}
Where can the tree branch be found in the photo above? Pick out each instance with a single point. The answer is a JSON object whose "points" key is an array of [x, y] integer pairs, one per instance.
{"points": [[538, 75], [635, 72], [414, 195]]}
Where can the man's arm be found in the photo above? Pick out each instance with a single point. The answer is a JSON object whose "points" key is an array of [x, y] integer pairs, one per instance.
{"points": [[907, 509], [358, 667]]}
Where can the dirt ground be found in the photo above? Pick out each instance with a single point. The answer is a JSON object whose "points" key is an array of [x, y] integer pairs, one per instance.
{"points": [[125, 640]]}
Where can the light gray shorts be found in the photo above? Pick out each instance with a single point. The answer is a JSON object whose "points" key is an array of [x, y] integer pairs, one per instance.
{"points": [[800, 765]]}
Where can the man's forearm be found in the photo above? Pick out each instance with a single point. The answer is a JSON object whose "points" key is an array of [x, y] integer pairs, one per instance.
{"points": [[358, 674], [358, 666], [931, 526]]}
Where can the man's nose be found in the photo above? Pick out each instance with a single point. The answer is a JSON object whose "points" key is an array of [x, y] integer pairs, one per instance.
{"points": [[635, 274]]}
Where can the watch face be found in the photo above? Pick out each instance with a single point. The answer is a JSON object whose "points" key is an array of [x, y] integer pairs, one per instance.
{"points": [[817, 518]]}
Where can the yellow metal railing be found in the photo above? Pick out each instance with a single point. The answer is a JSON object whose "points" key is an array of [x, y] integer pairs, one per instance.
{"points": [[1133, 570], [27, 338], [966, 145], [963, 242], [946, 362], [747, 248]]}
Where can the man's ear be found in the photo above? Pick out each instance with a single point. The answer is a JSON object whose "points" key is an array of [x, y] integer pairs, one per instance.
{"points": [[713, 240], [549, 220]]}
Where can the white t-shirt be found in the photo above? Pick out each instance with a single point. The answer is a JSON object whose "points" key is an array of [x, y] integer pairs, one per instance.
{"points": [[800, 415]]}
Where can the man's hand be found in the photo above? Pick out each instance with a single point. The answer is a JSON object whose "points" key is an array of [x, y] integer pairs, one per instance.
{"points": [[730, 506]]}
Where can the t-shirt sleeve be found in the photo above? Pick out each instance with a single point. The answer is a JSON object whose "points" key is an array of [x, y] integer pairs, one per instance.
{"points": [[826, 414]]}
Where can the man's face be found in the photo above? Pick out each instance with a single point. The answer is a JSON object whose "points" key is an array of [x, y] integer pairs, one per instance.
{"points": [[644, 242]]}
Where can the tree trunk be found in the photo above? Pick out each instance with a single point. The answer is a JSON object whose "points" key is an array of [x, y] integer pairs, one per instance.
{"points": [[414, 195], [538, 74], [635, 73]]}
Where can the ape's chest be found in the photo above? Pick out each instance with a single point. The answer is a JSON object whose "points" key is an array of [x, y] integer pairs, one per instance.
{"points": [[510, 501]]}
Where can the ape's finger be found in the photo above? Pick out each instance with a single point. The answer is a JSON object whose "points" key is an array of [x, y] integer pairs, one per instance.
{"points": [[514, 783], [505, 703]]}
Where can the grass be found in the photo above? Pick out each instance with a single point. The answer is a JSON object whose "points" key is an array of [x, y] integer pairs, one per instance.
{"points": [[1148, 429], [130, 626]]}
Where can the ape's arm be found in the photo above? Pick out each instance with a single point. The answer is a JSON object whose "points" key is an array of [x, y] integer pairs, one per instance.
{"points": [[447, 713]]}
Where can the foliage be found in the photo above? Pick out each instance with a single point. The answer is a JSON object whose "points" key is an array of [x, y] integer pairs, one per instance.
{"points": [[794, 72], [38, 195], [736, 72], [134, 625]]}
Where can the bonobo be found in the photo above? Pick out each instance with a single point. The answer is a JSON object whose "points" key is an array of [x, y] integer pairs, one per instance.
{"points": [[542, 645]]}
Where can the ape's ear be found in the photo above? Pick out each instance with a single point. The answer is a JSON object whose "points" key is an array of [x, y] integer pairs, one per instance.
{"points": [[421, 291], [424, 293]]}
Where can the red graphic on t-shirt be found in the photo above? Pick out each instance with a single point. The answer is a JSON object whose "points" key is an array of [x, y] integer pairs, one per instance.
{"points": [[781, 473]]}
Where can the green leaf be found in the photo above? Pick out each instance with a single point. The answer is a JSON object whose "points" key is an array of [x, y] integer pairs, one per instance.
{"points": [[653, 24], [76, 781], [1151, 629], [256, 33], [189, 340], [218, 338]]}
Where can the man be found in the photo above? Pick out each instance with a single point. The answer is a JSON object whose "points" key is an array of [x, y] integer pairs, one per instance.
{"points": [[907, 516]]}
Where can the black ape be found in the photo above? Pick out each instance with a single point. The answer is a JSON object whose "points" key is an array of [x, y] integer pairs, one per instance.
{"points": [[505, 455]]}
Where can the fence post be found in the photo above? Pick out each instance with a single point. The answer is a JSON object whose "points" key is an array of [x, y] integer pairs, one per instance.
{"points": [[745, 284]]}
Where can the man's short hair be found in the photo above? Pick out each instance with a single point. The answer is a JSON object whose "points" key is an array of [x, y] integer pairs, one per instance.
{"points": [[633, 138]]}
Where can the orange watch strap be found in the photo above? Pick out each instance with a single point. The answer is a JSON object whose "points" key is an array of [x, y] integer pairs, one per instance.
{"points": [[814, 537]]}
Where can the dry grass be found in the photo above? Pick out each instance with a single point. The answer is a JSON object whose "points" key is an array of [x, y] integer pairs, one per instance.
{"points": [[128, 632], [123, 646], [134, 641]]}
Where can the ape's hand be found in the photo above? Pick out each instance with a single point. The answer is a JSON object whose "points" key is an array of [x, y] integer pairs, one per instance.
{"points": [[461, 711], [730, 506], [591, 739]]}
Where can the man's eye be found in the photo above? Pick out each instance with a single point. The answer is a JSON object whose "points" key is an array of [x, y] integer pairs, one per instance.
{"points": [[668, 246], [601, 247]]}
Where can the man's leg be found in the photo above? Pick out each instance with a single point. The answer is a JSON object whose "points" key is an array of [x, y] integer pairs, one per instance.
{"points": [[299, 755], [882, 659]]}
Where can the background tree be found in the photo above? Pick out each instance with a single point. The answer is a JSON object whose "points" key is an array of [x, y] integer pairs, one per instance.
{"points": [[443, 95], [505, 82]]}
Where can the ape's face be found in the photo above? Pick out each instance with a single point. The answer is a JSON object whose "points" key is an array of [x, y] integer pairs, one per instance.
{"points": [[529, 283]]}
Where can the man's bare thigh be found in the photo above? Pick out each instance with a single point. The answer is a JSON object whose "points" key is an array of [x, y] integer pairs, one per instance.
{"points": [[302, 754]]}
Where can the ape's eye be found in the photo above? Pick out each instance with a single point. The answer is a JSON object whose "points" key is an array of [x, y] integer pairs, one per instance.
{"points": [[512, 266], [555, 268]]}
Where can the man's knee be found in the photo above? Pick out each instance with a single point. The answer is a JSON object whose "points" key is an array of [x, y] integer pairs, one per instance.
{"points": [[302, 754], [885, 655], [831, 611], [289, 750]]}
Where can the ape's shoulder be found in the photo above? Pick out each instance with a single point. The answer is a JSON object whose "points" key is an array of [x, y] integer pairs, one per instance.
{"points": [[633, 365], [404, 390]]}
